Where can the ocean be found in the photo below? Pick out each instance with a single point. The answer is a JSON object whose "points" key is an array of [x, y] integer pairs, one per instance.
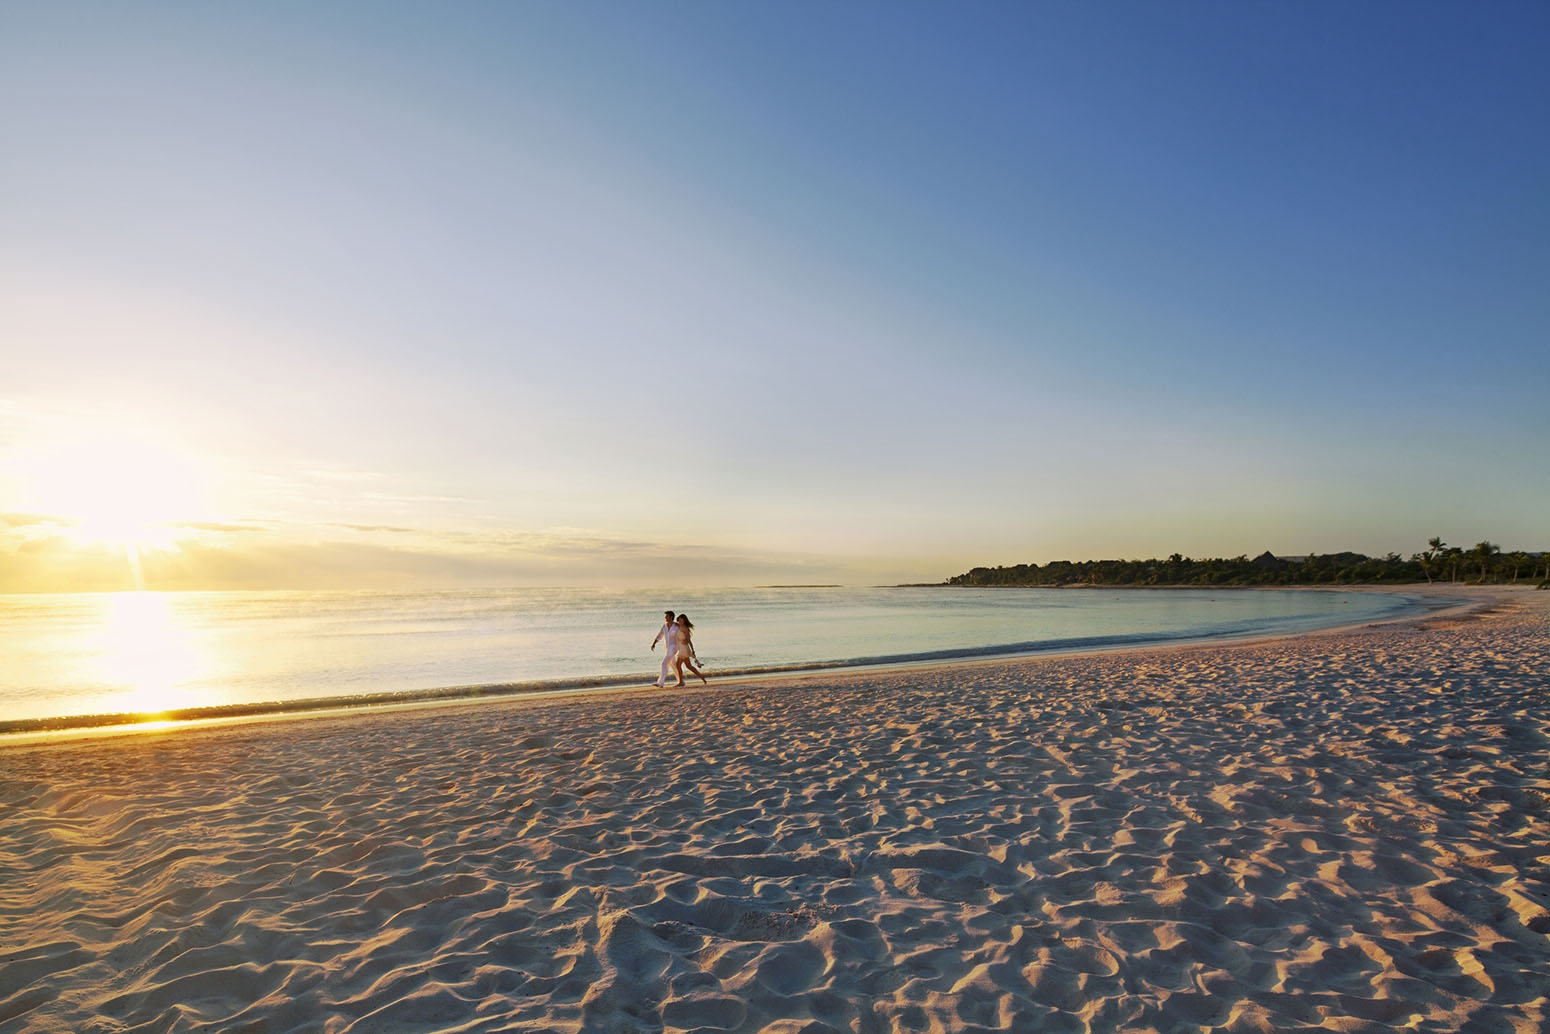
{"points": [[150, 652]]}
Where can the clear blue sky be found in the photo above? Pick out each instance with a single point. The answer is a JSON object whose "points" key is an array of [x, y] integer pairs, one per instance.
{"points": [[717, 293]]}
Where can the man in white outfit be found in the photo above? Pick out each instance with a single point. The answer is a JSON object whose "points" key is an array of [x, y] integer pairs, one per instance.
{"points": [[668, 632]]}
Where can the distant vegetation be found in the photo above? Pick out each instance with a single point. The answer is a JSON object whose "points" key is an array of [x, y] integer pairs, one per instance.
{"points": [[1484, 564]]}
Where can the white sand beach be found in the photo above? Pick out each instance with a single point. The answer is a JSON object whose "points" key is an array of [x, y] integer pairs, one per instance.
{"points": [[1347, 831]]}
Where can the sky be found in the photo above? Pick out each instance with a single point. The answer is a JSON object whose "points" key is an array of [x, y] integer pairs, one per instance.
{"points": [[376, 295]]}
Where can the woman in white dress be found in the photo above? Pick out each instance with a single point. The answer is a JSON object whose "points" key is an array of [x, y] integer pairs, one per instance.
{"points": [[685, 657]]}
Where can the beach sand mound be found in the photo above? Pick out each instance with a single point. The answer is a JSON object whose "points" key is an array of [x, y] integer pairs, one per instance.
{"points": [[1345, 832]]}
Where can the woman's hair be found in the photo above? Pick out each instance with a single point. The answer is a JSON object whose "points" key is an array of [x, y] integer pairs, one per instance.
{"points": [[683, 619]]}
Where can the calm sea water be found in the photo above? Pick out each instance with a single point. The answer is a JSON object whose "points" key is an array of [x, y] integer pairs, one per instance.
{"points": [[143, 652]]}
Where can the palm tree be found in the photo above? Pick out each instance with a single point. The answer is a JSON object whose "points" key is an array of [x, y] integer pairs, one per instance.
{"points": [[1517, 558], [1434, 548], [1483, 552]]}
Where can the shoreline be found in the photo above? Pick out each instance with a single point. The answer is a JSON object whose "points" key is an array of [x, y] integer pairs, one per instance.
{"points": [[76, 728], [1340, 830]]}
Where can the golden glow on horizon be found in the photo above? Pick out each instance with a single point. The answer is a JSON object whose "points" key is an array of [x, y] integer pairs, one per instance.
{"points": [[144, 650]]}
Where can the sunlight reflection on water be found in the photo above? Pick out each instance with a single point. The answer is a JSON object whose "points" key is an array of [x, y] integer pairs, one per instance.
{"points": [[147, 654]]}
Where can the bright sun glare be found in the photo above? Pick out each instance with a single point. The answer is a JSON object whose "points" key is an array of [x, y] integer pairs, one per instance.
{"points": [[115, 488], [146, 650]]}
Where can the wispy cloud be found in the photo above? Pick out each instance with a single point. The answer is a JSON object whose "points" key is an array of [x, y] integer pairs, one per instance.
{"points": [[253, 554], [351, 476], [23, 520], [226, 527]]}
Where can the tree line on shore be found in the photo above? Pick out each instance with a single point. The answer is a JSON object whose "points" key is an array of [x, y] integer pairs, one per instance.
{"points": [[1439, 562]]}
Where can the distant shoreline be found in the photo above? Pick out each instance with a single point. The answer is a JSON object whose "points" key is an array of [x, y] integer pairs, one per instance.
{"points": [[1485, 564], [1332, 586]]}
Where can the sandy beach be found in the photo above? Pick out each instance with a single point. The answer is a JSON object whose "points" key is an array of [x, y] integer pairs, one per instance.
{"points": [[1346, 831]]}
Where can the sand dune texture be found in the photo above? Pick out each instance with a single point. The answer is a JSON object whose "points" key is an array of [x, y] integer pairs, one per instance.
{"points": [[1346, 832]]}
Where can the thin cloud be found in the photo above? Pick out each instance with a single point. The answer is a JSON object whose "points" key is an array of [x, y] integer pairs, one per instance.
{"points": [[343, 475], [266, 554], [642, 554], [389, 497], [225, 527], [24, 520]]}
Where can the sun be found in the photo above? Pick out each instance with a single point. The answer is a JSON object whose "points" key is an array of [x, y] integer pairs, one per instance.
{"points": [[113, 487]]}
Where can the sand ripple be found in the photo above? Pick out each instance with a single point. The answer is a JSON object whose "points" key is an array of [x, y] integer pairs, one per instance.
{"points": [[1348, 832]]}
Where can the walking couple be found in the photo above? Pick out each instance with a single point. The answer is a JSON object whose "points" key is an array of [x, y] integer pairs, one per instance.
{"points": [[678, 635]]}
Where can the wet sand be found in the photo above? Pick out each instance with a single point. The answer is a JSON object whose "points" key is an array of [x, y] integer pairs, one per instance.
{"points": [[1346, 831]]}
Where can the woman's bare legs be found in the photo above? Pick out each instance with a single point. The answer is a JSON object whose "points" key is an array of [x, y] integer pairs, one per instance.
{"points": [[690, 665]]}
